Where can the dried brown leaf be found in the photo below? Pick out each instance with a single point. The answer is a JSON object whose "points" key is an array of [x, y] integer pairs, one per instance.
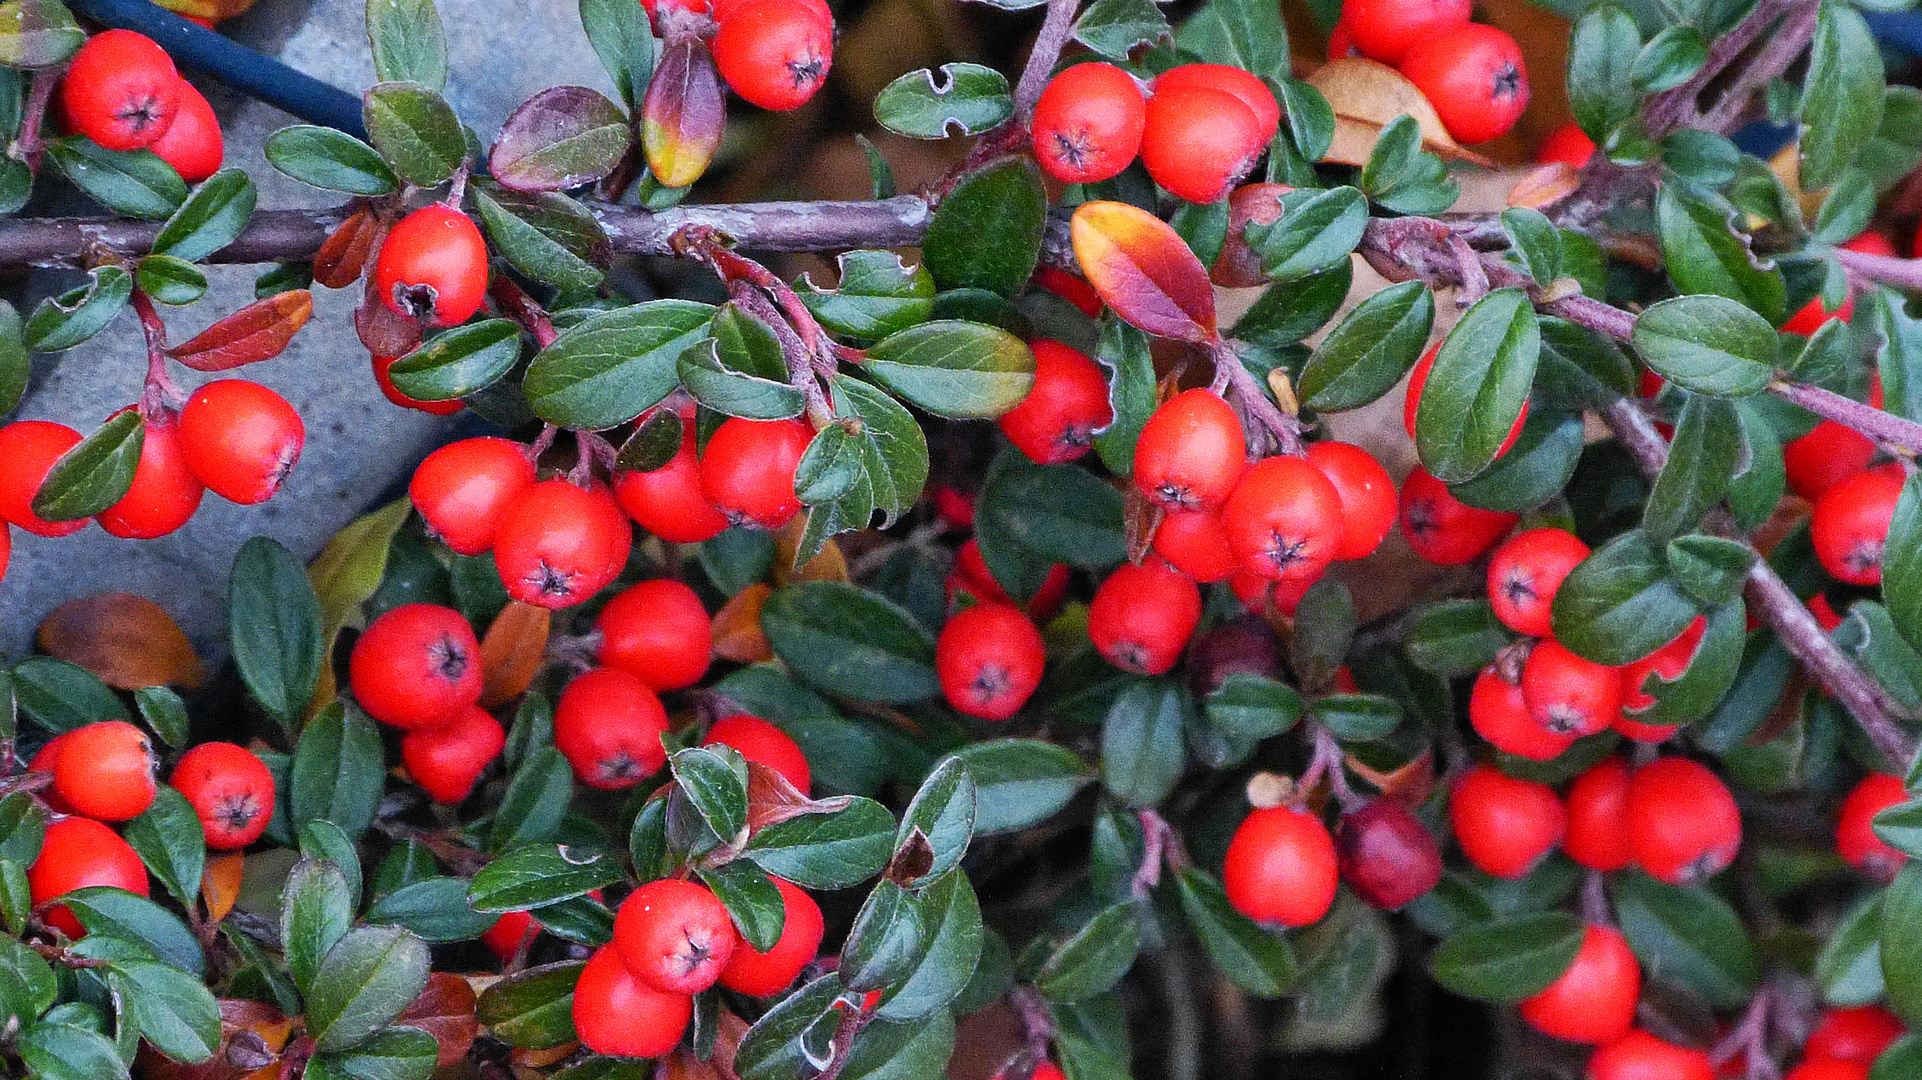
{"points": [[127, 641], [1366, 96]]}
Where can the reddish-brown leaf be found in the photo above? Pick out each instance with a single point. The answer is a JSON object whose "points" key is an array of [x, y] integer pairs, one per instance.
{"points": [[737, 627], [771, 799], [127, 641], [1144, 271], [259, 331], [384, 331], [252, 1037], [511, 652], [445, 1010], [684, 114], [343, 256]]}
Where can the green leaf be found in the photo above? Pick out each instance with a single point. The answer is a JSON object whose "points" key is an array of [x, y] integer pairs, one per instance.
{"points": [[545, 235], [540, 874], [1094, 959], [886, 941], [1601, 57], [535, 801], [894, 452], [852, 642], [1247, 34], [1708, 344], [772, 1049], [365, 981], [624, 44], [968, 99], [38, 34], [1670, 59], [1902, 943], [1311, 120], [462, 361], [717, 792], [409, 43], [398, 1053], [1020, 783], [62, 696], [1369, 351], [415, 130], [1257, 960], [752, 901], [136, 183], [1618, 605], [942, 814], [122, 918], [1114, 28], [877, 295], [168, 838], [1317, 229], [1710, 674], [1841, 95], [1902, 563], [1705, 453], [436, 909], [324, 840], [952, 932], [211, 218], [95, 474], [1045, 514], [962, 370], [333, 160], [1900, 827], [1455, 638], [834, 850], [317, 910], [1710, 569], [1141, 746], [532, 1009], [715, 373], [61, 322], [613, 366], [1251, 707], [23, 827], [14, 359], [1361, 717], [911, 1051], [987, 232], [169, 280], [1535, 469], [55, 1051], [562, 137], [173, 1010], [1124, 351], [1687, 936], [337, 772], [274, 623], [1849, 968], [1903, 1058], [1291, 312], [1704, 254], [1478, 386], [1508, 959]]}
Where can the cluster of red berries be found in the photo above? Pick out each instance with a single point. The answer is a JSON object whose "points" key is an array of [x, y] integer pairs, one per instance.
{"points": [[1283, 865], [121, 90], [773, 53], [418, 668], [105, 772], [1472, 74], [1198, 128], [1844, 1046], [1833, 467]]}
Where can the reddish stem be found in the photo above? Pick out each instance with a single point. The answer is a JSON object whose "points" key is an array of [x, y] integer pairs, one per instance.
{"points": [[1154, 840], [162, 396], [1234, 382], [514, 303]]}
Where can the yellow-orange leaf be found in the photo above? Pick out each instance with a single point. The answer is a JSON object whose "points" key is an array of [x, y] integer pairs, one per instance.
{"points": [[1366, 96], [737, 627], [1545, 186], [1144, 271], [829, 565], [127, 641], [220, 883], [512, 650]]}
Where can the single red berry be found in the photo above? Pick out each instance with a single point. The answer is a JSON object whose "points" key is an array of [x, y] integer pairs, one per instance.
{"points": [[764, 744], [231, 791], [504, 938], [1474, 77], [1594, 1000], [747, 470], [1855, 837], [1245, 86], [1341, 40], [1825, 614], [1505, 826], [1388, 857], [1281, 867], [463, 490], [1257, 594], [1598, 817], [241, 439], [1815, 1068], [77, 853], [1367, 493], [192, 144], [43, 762], [1524, 574], [1195, 542], [433, 266], [1441, 528], [384, 377], [668, 501], [1239, 264], [446, 759], [658, 631], [165, 492], [1567, 694], [121, 90], [1284, 520], [989, 659], [6, 548], [1851, 523], [1499, 714], [1668, 663], [1142, 617], [1568, 144], [558, 544], [764, 974], [1199, 141], [774, 53], [972, 581], [1641, 1056], [105, 771], [675, 935], [28, 449], [608, 725], [1683, 827], [1191, 452], [1070, 287], [1388, 30], [1829, 454], [618, 1014], [1087, 124], [1418, 379], [1056, 422], [954, 506], [1854, 1034], [416, 666]]}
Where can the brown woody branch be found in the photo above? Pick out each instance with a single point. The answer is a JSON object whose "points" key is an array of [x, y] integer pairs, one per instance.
{"points": [[1793, 25]]}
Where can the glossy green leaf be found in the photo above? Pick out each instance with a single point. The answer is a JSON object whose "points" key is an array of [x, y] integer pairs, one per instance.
{"points": [[1095, 958], [1020, 783], [534, 1008], [941, 815], [62, 696], [1370, 350], [540, 874], [1478, 385], [274, 623], [1618, 605], [1704, 254], [415, 130], [1709, 344], [886, 942], [61, 322], [833, 850], [968, 99], [462, 361], [1687, 936], [334, 160], [562, 137], [211, 218], [1141, 742], [952, 932], [95, 474], [613, 366], [1704, 454], [987, 232], [877, 295], [136, 183], [337, 771], [168, 837], [436, 909], [364, 982], [1841, 95], [849, 641], [1257, 960], [1508, 959], [962, 370]]}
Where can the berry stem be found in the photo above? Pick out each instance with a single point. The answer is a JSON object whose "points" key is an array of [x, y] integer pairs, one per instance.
{"points": [[1154, 840], [1749, 1038], [1887, 269], [28, 146], [1595, 909], [1036, 1023], [524, 309], [1883, 427], [1056, 30], [1234, 382], [162, 395]]}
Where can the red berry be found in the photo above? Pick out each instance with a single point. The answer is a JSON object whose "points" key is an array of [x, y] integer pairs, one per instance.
{"points": [[416, 666], [747, 470], [1851, 523], [1245, 86], [675, 936], [1284, 520], [971, 580], [1829, 1069], [231, 791], [165, 492], [504, 938], [763, 974], [1505, 826], [77, 853], [608, 725], [1825, 614], [1810, 316], [618, 1014], [446, 760], [1683, 827], [1191, 452], [1388, 30], [6, 548], [433, 266], [559, 544], [1568, 144], [1195, 542], [1594, 1000], [955, 507], [384, 377], [1855, 839], [1056, 422], [1475, 78], [668, 501], [1524, 574], [1567, 694], [1598, 817], [1641, 1056], [121, 90], [241, 439], [1367, 493], [43, 762], [1200, 140], [1142, 617], [1855, 1034], [28, 449], [463, 490], [1441, 528], [1256, 593], [192, 143], [659, 632], [1418, 379], [989, 659], [1388, 857], [1087, 124], [1341, 40], [1075, 290], [774, 53], [105, 771], [1498, 713], [1281, 867], [1239, 265], [1829, 454], [764, 744]]}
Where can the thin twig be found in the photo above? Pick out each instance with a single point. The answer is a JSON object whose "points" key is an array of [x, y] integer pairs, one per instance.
{"points": [[1681, 106], [162, 395], [1882, 427], [1055, 33]]}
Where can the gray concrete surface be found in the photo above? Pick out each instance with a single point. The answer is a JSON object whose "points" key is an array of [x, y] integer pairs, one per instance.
{"points": [[359, 447]]}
